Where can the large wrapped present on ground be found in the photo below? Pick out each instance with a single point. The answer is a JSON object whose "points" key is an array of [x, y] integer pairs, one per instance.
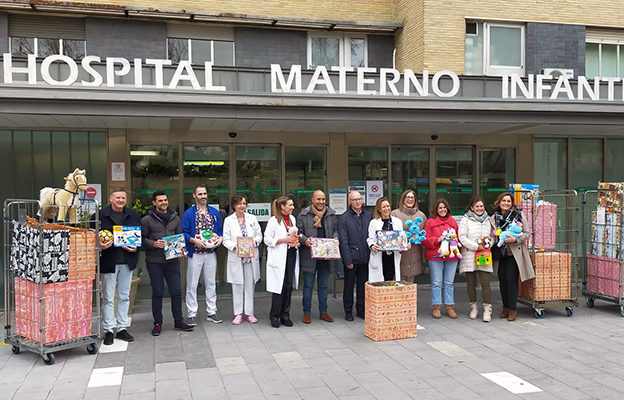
{"points": [[391, 310], [542, 219], [553, 277]]}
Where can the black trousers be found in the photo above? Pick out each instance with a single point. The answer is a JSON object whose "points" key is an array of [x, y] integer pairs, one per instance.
{"points": [[158, 274], [387, 263], [508, 278], [359, 273], [280, 303]]}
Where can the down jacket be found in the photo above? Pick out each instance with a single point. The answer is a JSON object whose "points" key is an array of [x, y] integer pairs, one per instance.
{"points": [[469, 231]]}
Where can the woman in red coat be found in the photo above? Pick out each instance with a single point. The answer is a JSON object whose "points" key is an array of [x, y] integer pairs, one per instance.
{"points": [[441, 267]]}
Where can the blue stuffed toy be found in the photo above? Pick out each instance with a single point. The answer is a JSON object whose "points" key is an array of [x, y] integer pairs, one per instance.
{"points": [[414, 233], [512, 230]]}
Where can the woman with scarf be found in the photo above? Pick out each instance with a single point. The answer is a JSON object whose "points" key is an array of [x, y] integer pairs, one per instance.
{"points": [[512, 259], [472, 228], [442, 268], [411, 260]]}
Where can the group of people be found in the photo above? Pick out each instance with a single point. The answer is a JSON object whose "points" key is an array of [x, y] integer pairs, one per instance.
{"points": [[288, 241]]}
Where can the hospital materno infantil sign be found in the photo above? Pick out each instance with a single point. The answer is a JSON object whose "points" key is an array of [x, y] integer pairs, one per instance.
{"points": [[369, 81]]}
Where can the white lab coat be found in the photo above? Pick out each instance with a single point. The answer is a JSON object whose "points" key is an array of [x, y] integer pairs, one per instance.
{"points": [[231, 231], [375, 267], [276, 255]]}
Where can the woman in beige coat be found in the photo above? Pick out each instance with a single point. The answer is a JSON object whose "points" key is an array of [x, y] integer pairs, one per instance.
{"points": [[513, 258], [411, 260]]}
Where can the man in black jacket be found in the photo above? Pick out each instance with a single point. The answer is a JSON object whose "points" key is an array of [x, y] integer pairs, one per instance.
{"points": [[161, 222], [116, 266], [352, 233]]}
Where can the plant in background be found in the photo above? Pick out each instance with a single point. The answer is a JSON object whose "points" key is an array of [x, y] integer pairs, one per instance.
{"points": [[141, 208]]}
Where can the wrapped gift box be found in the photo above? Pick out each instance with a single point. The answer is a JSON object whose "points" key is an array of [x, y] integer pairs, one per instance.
{"points": [[67, 310], [610, 196], [391, 311], [541, 217], [553, 273]]}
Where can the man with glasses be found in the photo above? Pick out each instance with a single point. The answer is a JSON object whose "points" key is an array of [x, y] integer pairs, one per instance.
{"points": [[352, 233]]}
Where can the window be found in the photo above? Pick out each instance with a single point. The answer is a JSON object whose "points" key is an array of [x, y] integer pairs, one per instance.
{"points": [[199, 51], [494, 49], [605, 60], [43, 47], [337, 50]]}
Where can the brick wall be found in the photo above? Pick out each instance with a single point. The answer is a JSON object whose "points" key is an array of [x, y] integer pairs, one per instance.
{"points": [[125, 38], [263, 47], [555, 46]]}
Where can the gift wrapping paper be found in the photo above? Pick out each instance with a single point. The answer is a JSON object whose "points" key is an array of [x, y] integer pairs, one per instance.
{"points": [[543, 218], [610, 197], [603, 275], [391, 311], [67, 310], [553, 276]]}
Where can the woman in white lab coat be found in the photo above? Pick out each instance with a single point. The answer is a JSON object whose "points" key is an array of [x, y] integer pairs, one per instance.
{"points": [[242, 273], [383, 265], [282, 259]]}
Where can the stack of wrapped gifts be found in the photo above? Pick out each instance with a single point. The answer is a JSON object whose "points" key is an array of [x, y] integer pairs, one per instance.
{"points": [[607, 242], [391, 310], [54, 269], [553, 274], [542, 219]]}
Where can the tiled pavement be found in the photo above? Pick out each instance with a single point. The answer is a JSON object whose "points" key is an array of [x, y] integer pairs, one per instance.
{"points": [[557, 357]]}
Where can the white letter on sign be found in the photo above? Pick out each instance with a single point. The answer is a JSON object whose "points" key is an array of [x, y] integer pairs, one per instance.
{"points": [[45, 70]]}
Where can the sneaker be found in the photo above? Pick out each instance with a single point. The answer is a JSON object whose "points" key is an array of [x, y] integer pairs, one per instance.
{"points": [[192, 321], [214, 318], [251, 319], [238, 319], [125, 336], [108, 338], [156, 330], [183, 326]]}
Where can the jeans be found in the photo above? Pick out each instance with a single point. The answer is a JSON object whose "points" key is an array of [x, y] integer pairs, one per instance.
{"points": [[206, 262], [158, 274], [122, 278], [322, 269], [442, 272]]}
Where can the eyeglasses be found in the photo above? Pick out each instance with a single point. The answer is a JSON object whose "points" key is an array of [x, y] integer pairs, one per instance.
{"points": [[356, 200]]}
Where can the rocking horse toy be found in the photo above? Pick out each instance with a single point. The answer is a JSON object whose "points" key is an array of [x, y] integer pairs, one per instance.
{"points": [[66, 200]]}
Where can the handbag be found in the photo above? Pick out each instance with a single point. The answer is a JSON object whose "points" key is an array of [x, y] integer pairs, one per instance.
{"points": [[498, 252]]}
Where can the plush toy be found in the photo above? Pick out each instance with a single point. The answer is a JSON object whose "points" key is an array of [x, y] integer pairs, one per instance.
{"points": [[485, 241], [208, 237], [64, 201], [484, 257], [293, 232], [444, 250], [512, 230], [454, 244], [414, 233]]}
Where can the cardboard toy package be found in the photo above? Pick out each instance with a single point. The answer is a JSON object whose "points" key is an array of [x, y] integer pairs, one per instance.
{"points": [[391, 310]]}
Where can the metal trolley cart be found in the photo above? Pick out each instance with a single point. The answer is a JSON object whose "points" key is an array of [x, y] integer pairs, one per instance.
{"points": [[603, 245], [50, 272], [553, 217]]}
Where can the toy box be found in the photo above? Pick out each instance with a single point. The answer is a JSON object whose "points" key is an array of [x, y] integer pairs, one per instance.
{"points": [[126, 236], [391, 310], [524, 191], [325, 249], [175, 247]]}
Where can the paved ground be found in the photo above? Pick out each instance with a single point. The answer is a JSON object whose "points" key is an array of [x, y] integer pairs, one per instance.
{"points": [[581, 357]]}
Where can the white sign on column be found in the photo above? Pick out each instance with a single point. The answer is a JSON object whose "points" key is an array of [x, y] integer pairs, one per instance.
{"points": [[374, 190]]}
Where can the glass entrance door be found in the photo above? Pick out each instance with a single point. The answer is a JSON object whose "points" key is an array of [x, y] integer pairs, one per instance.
{"points": [[454, 171]]}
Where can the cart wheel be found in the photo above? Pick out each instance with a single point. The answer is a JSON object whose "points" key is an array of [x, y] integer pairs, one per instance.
{"points": [[570, 311], [590, 302], [622, 310], [48, 359], [15, 349], [539, 314], [92, 348]]}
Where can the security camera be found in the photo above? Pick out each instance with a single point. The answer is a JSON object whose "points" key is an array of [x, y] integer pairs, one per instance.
{"points": [[232, 135], [434, 137]]}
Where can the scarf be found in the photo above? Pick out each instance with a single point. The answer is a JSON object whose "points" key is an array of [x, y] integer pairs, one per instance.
{"points": [[409, 210], [318, 216], [502, 221], [478, 218]]}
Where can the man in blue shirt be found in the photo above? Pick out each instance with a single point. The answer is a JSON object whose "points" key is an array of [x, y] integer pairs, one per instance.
{"points": [[201, 217]]}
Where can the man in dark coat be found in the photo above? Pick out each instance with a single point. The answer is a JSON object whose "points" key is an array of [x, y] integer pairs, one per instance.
{"points": [[161, 222], [116, 266], [319, 221], [353, 232]]}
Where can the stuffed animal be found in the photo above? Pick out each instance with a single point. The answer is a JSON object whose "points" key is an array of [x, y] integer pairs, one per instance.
{"points": [[208, 237], [64, 200], [415, 235], [444, 250], [512, 230], [454, 245], [293, 232], [485, 241]]}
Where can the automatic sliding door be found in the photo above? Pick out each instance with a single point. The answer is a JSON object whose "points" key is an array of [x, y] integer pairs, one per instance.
{"points": [[410, 170], [454, 170]]}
